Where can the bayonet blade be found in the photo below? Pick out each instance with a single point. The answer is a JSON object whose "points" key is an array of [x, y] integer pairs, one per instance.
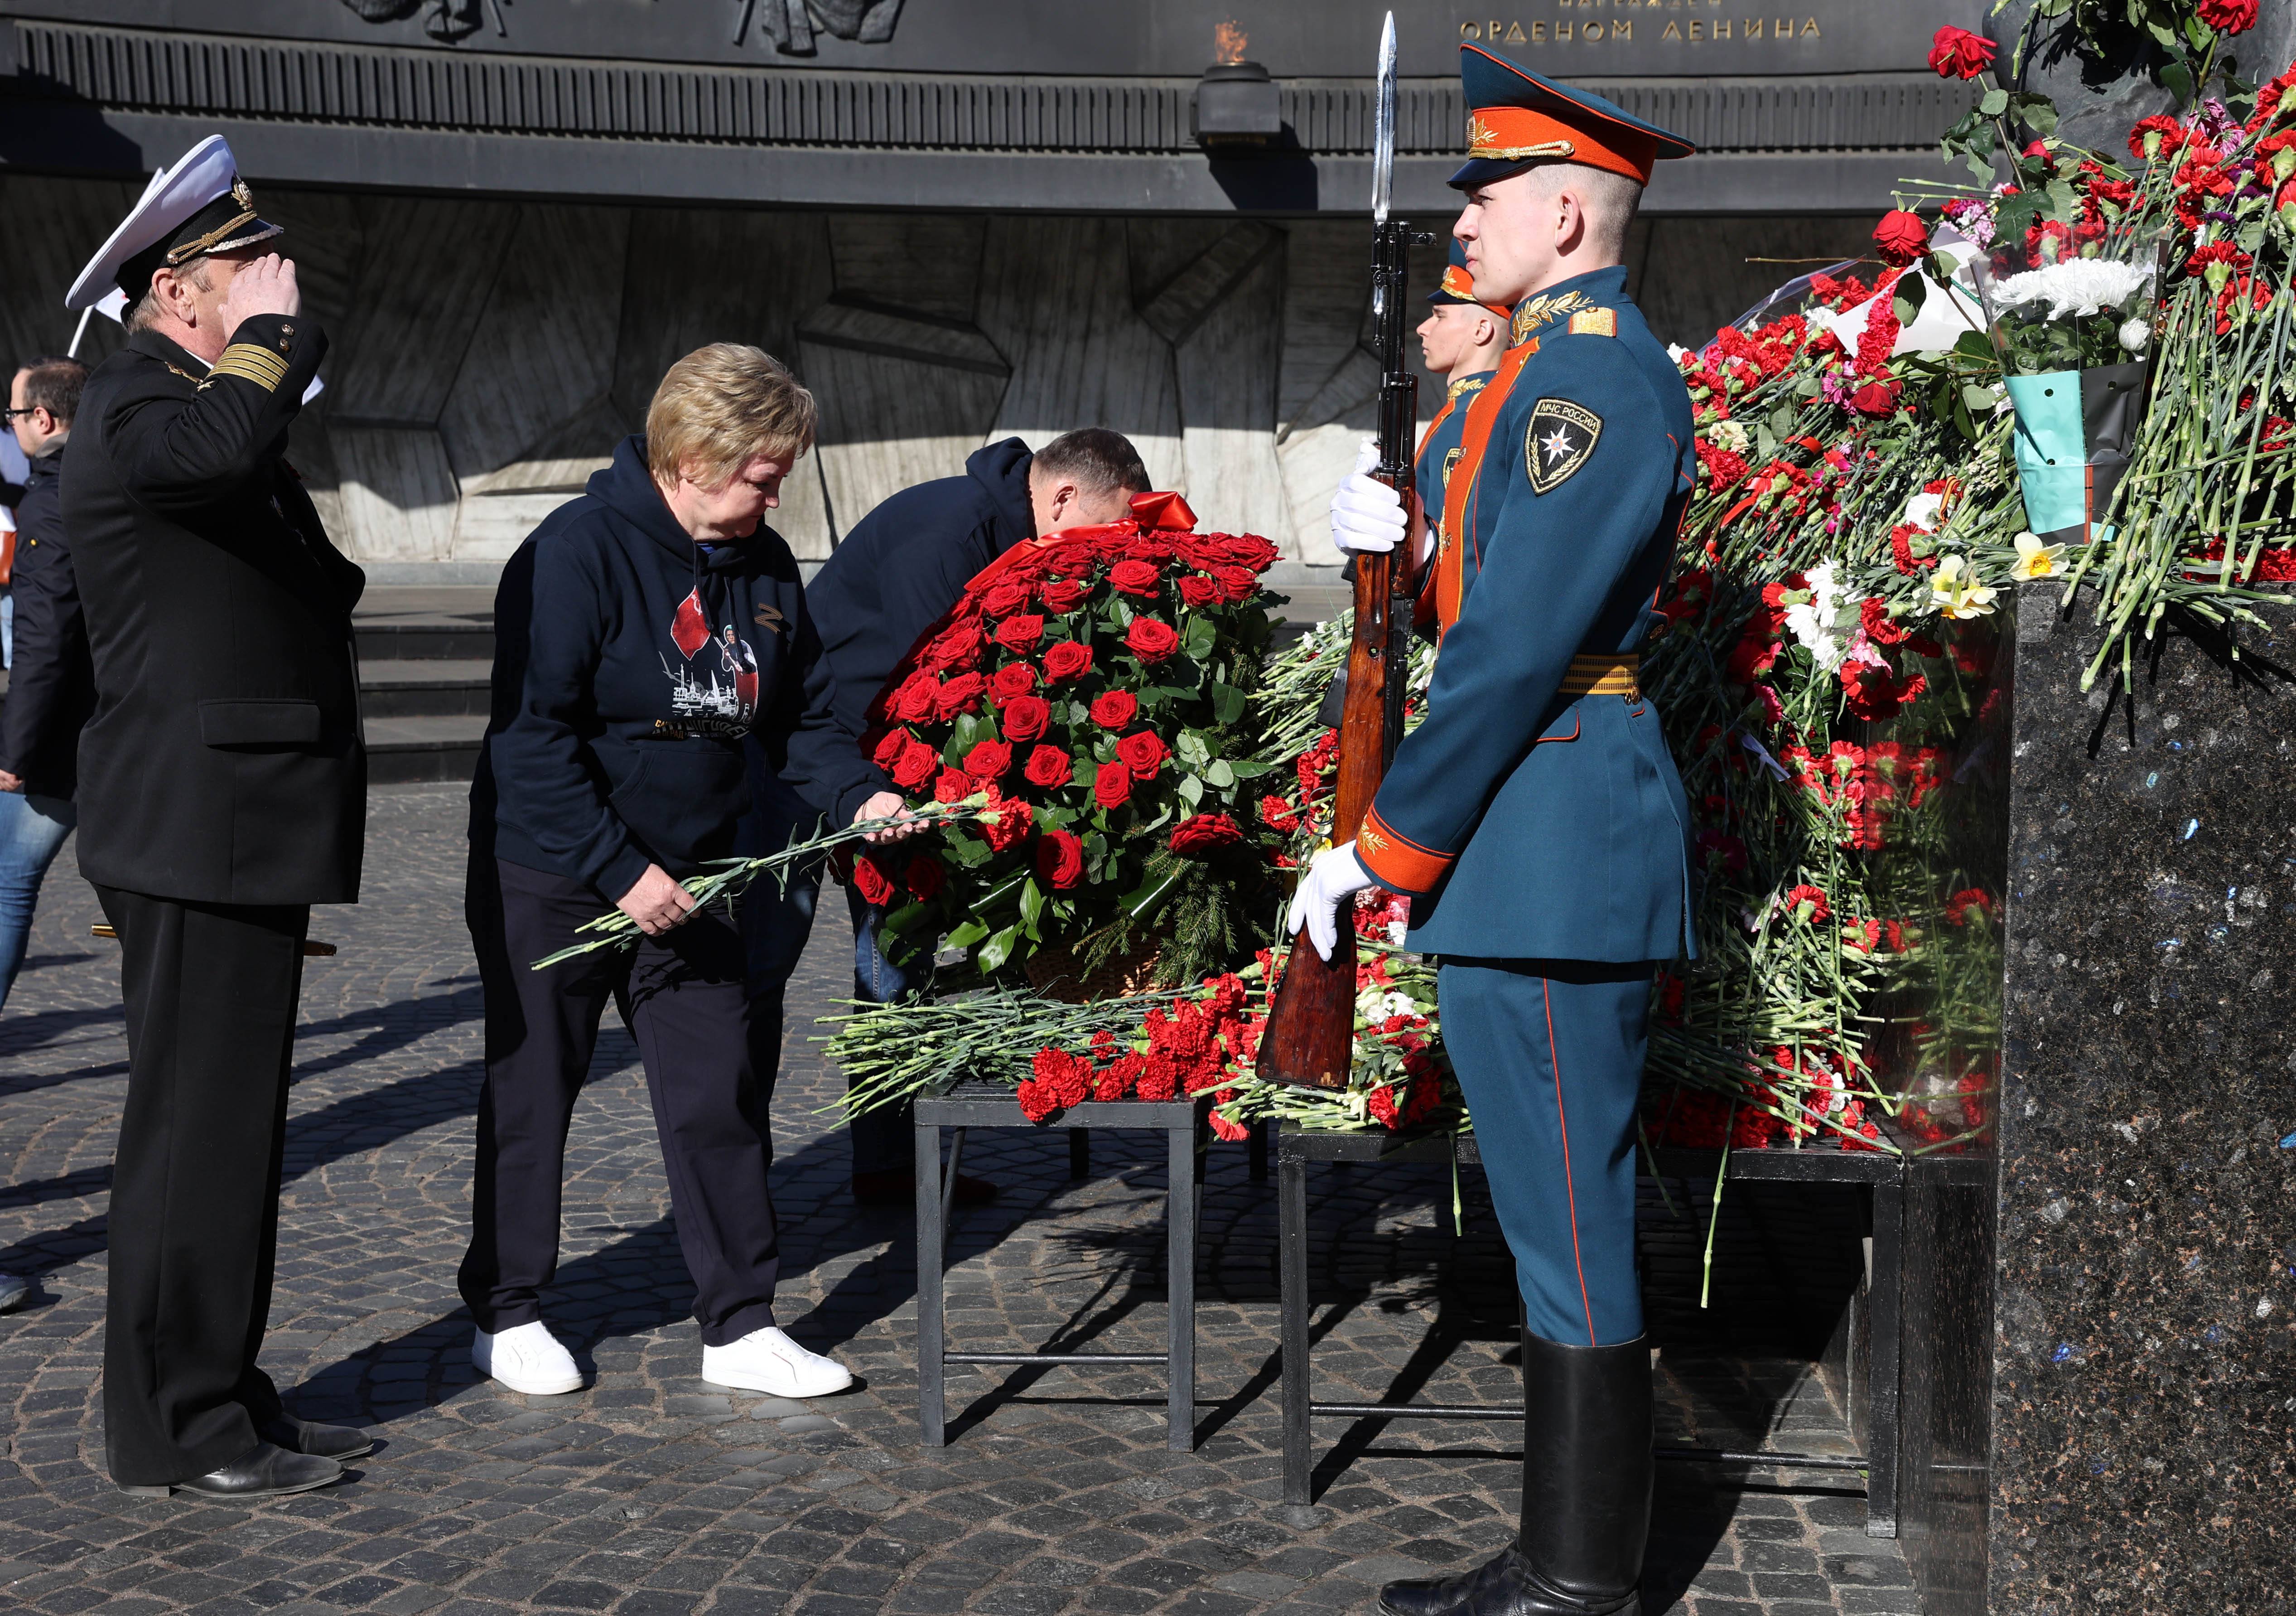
{"points": [[1383, 129]]}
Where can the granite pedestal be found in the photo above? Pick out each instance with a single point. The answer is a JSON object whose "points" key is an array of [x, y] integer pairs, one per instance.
{"points": [[2100, 1379]]}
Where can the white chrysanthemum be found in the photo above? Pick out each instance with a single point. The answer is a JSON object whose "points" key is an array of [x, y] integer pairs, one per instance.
{"points": [[2075, 287], [1921, 512], [2134, 334], [1811, 623]]}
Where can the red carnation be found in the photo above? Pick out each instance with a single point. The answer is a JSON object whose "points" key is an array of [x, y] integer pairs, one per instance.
{"points": [[1135, 578], [1114, 708], [1060, 860], [952, 785], [1067, 659], [1819, 907], [1900, 237], [960, 694], [1197, 591], [875, 886], [1200, 835], [912, 703], [888, 749], [1144, 754], [1875, 693], [1005, 597], [924, 878], [916, 765], [2152, 136], [989, 761], [1955, 52], [1020, 633], [1010, 828], [958, 645], [1152, 641], [2229, 16], [1061, 595], [1278, 814], [1049, 767], [1012, 682], [1062, 1079], [1111, 785], [1025, 718]]}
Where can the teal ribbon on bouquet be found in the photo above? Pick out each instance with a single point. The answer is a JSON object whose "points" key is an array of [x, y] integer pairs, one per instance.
{"points": [[2074, 428]]}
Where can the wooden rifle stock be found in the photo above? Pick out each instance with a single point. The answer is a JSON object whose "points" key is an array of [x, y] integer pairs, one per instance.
{"points": [[1310, 1038]]}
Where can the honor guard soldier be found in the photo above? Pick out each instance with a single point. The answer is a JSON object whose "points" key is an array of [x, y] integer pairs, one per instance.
{"points": [[1461, 340], [1534, 817], [222, 793]]}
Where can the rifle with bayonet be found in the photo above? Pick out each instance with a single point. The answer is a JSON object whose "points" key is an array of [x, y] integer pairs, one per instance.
{"points": [[1310, 1032]]}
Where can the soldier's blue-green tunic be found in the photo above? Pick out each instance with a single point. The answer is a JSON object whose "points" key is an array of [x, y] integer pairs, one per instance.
{"points": [[1542, 835], [1439, 449]]}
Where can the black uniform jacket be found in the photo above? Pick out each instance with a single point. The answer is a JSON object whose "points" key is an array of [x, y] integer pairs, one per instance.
{"points": [[224, 763], [51, 680]]}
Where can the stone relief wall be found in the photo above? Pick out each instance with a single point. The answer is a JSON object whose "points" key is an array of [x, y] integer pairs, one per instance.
{"points": [[487, 355]]}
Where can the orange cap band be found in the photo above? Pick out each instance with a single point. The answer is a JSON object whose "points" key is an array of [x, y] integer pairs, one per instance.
{"points": [[1509, 133], [1460, 284]]}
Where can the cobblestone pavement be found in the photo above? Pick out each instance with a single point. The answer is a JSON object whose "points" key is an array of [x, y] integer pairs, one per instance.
{"points": [[654, 1493]]}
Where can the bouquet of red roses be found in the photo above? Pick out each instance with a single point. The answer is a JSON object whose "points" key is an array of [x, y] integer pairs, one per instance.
{"points": [[1096, 683]]}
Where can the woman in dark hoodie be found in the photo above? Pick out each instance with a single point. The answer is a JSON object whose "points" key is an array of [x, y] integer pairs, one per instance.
{"points": [[643, 633]]}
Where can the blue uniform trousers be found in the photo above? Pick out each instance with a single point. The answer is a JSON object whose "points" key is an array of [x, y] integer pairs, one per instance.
{"points": [[1549, 1053]]}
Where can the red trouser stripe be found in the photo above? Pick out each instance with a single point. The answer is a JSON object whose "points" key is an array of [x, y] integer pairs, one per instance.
{"points": [[1555, 1057]]}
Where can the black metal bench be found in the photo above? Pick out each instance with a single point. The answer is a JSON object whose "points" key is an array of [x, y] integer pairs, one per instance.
{"points": [[974, 1103]]}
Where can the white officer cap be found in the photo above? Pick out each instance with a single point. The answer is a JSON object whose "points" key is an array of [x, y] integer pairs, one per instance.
{"points": [[198, 206]]}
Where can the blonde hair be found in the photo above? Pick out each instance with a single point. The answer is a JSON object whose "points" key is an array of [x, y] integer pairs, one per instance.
{"points": [[720, 407]]}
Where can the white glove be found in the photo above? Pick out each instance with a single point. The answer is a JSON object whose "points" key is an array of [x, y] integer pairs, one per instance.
{"points": [[1331, 878], [1366, 515]]}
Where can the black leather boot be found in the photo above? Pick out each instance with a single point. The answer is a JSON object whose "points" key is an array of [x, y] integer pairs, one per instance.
{"points": [[262, 1471], [1585, 1495], [309, 1437]]}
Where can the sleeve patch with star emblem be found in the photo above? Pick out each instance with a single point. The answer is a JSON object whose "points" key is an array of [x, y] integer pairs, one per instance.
{"points": [[1559, 440]]}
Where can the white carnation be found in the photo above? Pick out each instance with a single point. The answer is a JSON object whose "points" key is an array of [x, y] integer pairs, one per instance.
{"points": [[1811, 623], [2134, 334], [2075, 287], [1921, 512]]}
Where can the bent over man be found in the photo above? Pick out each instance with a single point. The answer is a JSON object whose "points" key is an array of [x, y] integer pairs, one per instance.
{"points": [[222, 793], [1534, 817]]}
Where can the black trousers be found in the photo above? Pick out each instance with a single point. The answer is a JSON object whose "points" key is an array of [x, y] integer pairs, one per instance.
{"points": [[210, 992], [684, 999]]}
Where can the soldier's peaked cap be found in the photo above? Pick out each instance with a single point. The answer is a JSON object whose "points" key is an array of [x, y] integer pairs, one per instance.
{"points": [[1458, 286], [196, 206], [1516, 119]]}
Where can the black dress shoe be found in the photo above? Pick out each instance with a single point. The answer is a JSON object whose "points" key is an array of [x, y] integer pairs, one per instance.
{"points": [[309, 1437], [262, 1471]]}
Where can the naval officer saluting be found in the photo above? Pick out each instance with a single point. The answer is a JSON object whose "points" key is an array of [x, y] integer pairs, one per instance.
{"points": [[1534, 817], [223, 792]]}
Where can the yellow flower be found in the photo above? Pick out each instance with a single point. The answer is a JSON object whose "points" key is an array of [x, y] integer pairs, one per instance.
{"points": [[2034, 558], [1956, 593]]}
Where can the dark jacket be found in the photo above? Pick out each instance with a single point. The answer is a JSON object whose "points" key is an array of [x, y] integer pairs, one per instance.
{"points": [[224, 763], [51, 680], [906, 562], [629, 667]]}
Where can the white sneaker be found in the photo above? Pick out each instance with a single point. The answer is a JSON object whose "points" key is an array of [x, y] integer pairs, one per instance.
{"points": [[767, 1360], [526, 1357]]}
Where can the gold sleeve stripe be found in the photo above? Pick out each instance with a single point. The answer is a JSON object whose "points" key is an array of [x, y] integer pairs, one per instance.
{"points": [[249, 362]]}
